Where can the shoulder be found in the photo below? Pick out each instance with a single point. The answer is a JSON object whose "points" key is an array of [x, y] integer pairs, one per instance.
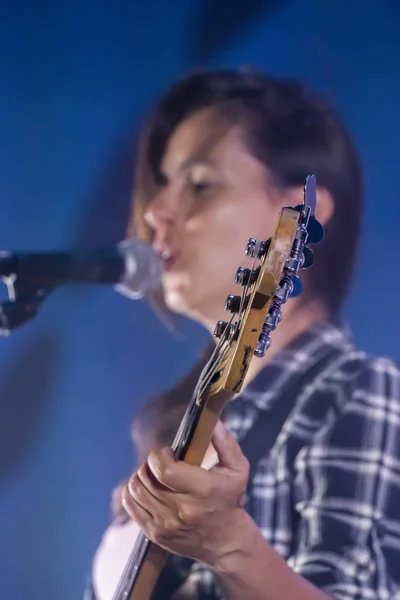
{"points": [[373, 382], [363, 378], [375, 394], [368, 402], [379, 374]]}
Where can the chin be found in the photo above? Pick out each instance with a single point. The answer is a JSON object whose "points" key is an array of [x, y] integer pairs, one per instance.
{"points": [[183, 304], [176, 301], [199, 308]]}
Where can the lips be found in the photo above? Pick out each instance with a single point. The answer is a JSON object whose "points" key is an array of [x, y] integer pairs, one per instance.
{"points": [[167, 255], [168, 259]]}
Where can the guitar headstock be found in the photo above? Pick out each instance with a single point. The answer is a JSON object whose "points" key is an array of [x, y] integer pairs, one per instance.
{"points": [[271, 281]]}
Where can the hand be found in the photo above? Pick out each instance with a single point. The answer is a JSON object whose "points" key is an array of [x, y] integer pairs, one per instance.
{"points": [[188, 510]]}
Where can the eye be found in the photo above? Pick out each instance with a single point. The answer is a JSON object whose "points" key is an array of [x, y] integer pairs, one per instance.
{"points": [[201, 181], [160, 179], [201, 186]]}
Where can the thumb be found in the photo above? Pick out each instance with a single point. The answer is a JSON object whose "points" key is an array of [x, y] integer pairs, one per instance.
{"points": [[229, 452]]}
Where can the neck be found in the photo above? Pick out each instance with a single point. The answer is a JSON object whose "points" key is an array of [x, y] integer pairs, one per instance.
{"points": [[298, 316]]}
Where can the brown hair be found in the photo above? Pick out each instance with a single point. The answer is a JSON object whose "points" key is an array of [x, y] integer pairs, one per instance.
{"points": [[293, 132]]}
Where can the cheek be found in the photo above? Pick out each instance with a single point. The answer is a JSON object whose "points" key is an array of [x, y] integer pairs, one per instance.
{"points": [[224, 228], [219, 250], [217, 241], [214, 241]]}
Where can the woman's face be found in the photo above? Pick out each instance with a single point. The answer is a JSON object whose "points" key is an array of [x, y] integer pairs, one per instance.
{"points": [[214, 197]]}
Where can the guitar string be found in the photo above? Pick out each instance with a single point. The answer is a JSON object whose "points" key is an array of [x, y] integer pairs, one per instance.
{"points": [[217, 358], [227, 329], [125, 583]]}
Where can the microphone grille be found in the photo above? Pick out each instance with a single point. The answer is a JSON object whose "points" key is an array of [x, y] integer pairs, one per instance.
{"points": [[143, 269]]}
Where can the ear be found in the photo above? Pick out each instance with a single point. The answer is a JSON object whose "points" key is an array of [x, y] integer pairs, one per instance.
{"points": [[325, 204]]}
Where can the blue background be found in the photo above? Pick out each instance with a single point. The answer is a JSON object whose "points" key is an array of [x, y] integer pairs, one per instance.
{"points": [[76, 80]]}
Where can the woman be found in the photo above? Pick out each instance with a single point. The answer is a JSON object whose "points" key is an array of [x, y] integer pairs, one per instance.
{"points": [[221, 154]]}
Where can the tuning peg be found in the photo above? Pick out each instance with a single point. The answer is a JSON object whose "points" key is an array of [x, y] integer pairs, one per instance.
{"points": [[220, 328], [256, 248], [246, 276], [264, 342], [315, 231], [284, 290], [232, 303], [314, 228], [274, 316], [308, 260], [297, 287], [252, 247]]}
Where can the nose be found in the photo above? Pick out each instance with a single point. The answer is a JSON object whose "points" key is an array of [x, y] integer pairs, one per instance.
{"points": [[161, 212]]}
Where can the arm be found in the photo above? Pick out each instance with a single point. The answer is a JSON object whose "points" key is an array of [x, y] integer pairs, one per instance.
{"points": [[258, 572]]}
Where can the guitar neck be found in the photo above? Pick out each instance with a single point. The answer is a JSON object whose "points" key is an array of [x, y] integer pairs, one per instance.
{"points": [[190, 445]]}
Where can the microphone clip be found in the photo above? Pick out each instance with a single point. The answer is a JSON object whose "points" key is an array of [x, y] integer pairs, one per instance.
{"points": [[22, 305]]}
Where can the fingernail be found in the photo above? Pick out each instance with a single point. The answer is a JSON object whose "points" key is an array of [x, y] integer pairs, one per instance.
{"points": [[167, 451]]}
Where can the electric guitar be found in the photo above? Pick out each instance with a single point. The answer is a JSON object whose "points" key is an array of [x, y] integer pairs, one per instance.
{"points": [[255, 314]]}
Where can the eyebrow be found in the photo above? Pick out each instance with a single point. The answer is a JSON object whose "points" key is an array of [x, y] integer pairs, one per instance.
{"points": [[202, 152], [196, 159]]}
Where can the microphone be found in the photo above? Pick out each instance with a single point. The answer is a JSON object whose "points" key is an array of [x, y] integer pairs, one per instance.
{"points": [[132, 267]]}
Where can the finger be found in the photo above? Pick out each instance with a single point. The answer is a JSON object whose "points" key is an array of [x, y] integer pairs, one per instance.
{"points": [[230, 455], [140, 515], [142, 496], [178, 476], [158, 491]]}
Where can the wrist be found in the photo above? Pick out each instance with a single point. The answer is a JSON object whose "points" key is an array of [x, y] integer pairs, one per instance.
{"points": [[252, 568], [247, 542]]}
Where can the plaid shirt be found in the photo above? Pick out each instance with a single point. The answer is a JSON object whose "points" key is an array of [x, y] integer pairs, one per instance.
{"points": [[327, 496]]}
